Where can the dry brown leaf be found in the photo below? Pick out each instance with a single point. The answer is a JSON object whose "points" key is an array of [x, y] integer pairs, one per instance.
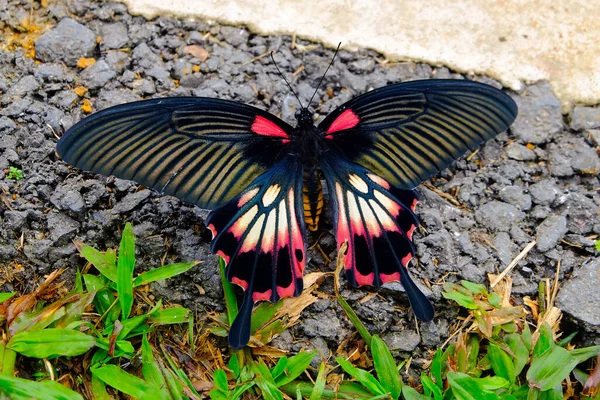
{"points": [[196, 51], [592, 383]]}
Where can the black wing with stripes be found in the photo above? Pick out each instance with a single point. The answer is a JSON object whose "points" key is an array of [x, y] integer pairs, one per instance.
{"points": [[261, 236], [201, 150], [407, 132], [377, 222]]}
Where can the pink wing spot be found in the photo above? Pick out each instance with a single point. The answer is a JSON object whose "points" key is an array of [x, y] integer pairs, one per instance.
{"points": [[256, 296], [406, 259], [246, 197], [264, 127], [240, 282], [380, 181], [286, 291], [410, 232], [364, 279], [390, 277], [414, 205], [224, 256], [346, 120], [212, 229]]}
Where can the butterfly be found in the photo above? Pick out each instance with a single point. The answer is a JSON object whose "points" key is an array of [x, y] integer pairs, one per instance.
{"points": [[262, 176]]}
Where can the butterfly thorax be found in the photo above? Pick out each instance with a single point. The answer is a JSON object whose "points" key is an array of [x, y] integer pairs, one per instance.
{"points": [[307, 141]]}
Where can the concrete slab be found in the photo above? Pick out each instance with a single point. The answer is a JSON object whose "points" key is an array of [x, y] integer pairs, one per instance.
{"points": [[513, 41]]}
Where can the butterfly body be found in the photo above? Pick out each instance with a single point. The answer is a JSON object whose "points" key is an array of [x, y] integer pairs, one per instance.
{"points": [[262, 177]]}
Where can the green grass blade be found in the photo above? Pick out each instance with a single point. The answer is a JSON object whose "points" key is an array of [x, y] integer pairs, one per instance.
{"points": [[23, 389], [125, 266], [296, 365], [502, 363], [129, 384], [6, 296], [51, 343], [465, 387], [317, 392], [362, 376], [409, 393], [151, 370], [430, 388], [362, 330], [585, 353], [551, 368], [229, 293], [436, 369], [174, 315], [162, 273], [545, 341], [105, 263], [385, 366], [346, 390], [8, 359], [519, 349], [220, 380], [99, 389]]}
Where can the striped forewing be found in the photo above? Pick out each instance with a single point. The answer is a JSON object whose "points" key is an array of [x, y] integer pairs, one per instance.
{"points": [[200, 150], [408, 132]]}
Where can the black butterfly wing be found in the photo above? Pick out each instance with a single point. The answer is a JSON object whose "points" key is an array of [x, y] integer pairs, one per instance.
{"points": [[407, 132], [261, 236], [377, 222], [201, 150]]}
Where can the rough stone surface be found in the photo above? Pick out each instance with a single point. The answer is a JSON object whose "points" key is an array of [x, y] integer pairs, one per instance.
{"points": [[543, 192], [579, 296], [520, 152], [498, 216], [405, 340], [114, 36], [67, 42], [540, 116], [550, 232], [514, 195], [131, 201], [586, 160], [585, 118], [97, 75]]}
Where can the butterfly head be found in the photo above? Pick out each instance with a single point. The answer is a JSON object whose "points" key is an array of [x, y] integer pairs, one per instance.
{"points": [[305, 118]]}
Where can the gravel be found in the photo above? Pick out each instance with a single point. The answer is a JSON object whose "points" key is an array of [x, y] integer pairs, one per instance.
{"points": [[579, 296], [585, 118], [67, 42], [538, 181], [540, 116], [550, 232]]}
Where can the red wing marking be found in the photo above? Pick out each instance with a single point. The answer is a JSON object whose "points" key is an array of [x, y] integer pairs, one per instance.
{"points": [[377, 226], [377, 222], [265, 127], [346, 120], [261, 239]]}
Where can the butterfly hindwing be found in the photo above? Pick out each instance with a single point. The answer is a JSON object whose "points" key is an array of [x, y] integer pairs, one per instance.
{"points": [[261, 236], [200, 150], [377, 221], [407, 132]]}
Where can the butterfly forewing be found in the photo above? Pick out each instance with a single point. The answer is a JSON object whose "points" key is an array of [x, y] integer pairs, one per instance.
{"points": [[260, 234], [408, 132], [200, 150], [376, 221]]}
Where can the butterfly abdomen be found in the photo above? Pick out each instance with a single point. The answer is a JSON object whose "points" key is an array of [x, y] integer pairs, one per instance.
{"points": [[312, 197]]}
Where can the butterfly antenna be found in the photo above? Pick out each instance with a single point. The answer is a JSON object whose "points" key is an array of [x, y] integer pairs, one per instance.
{"points": [[323, 77], [285, 80]]}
